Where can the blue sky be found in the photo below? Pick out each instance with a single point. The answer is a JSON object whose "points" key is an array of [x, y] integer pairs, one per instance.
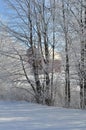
{"points": [[2, 8]]}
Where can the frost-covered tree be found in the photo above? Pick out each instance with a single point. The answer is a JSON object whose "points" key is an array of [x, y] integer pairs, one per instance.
{"points": [[42, 27], [33, 24]]}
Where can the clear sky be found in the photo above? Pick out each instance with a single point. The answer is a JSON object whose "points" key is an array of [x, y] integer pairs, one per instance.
{"points": [[2, 8]]}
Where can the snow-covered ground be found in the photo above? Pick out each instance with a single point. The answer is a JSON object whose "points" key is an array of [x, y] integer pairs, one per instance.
{"points": [[27, 116]]}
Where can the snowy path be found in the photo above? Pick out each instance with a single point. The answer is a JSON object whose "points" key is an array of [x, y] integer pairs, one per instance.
{"points": [[25, 116]]}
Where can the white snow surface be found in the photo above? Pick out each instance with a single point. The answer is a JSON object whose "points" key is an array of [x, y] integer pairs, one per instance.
{"points": [[27, 116]]}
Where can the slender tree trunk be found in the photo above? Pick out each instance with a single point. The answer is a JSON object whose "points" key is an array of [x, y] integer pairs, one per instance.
{"points": [[53, 51], [67, 74], [34, 64], [46, 48], [85, 54], [83, 58], [82, 78]]}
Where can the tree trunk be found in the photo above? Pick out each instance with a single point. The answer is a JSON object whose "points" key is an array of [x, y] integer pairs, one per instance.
{"points": [[67, 74], [83, 59]]}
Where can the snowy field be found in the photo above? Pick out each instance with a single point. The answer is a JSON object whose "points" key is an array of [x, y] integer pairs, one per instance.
{"points": [[27, 116]]}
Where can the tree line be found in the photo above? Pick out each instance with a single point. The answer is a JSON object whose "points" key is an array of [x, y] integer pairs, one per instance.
{"points": [[44, 27]]}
